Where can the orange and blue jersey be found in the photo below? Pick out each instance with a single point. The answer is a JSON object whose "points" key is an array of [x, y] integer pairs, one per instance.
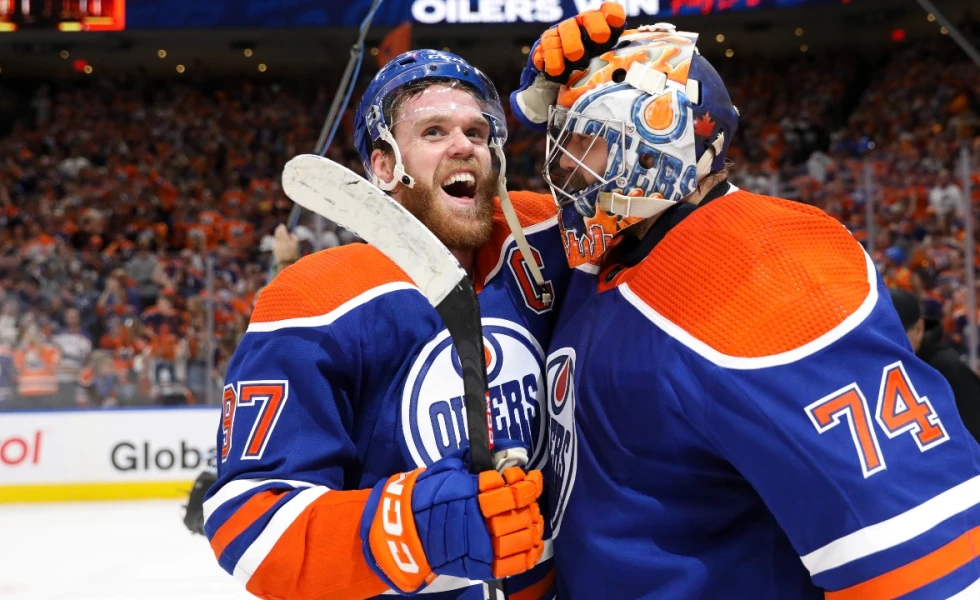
{"points": [[739, 414], [37, 369], [345, 377]]}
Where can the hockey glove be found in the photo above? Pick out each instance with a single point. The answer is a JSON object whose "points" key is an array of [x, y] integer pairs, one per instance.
{"points": [[562, 49], [443, 520]]}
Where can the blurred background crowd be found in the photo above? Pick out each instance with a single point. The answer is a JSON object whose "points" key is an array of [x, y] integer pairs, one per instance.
{"points": [[137, 215]]}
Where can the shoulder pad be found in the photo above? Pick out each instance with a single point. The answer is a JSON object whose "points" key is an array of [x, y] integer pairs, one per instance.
{"points": [[753, 276], [324, 281]]}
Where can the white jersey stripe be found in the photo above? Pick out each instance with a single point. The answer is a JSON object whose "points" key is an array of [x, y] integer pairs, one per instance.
{"points": [[281, 521], [330, 317], [237, 487], [761, 362], [896, 530]]}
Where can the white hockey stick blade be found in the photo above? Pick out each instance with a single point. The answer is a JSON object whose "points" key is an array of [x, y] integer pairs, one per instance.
{"points": [[333, 191]]}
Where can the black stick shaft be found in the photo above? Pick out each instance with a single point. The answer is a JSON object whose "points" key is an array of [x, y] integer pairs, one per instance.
{"points": [[460, 311]]}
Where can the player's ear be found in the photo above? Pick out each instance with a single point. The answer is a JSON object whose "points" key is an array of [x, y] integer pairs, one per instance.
{"points": [[383, 165]]}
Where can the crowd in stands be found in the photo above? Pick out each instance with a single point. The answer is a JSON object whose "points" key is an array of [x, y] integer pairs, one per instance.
{"points": [[137, 218]]}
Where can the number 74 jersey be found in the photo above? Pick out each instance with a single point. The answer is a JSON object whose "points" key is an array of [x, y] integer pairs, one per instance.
{"points": [[740, 415]]}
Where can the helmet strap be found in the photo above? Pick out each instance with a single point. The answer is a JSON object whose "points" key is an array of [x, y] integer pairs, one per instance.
{"points": [[642, 207], [399, 174], [704, 164], [514, 223]]}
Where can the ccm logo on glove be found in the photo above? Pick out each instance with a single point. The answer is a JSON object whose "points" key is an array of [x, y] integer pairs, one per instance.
{"points": [[397, 534], [391, 512], [444, 520]]}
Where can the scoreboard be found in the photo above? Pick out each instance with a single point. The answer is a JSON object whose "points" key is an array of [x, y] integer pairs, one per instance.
{"points": [[62, 15]]}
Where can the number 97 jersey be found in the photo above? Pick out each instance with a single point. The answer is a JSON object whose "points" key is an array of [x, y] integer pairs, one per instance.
{"points": [[740, 415]]}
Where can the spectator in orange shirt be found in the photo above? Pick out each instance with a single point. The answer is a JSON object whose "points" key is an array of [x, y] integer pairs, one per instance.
{"points": [[36, 362]]}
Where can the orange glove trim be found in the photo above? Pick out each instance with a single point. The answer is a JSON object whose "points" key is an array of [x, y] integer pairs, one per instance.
{"points": [[394, 539], [571, 39], [615, 14], [509, 503], [594, 23]]}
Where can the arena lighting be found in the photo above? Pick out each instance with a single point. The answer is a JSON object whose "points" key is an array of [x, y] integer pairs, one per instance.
{"points": [[898, 35], [248, 52], [798, 32], [64, 54], [162, 53], [374, 51], [88, 69], [720, 38], [930, 17], [729, 53], [262, 68], [943, 30], [180, 68], [525, 50], [804, 47]]}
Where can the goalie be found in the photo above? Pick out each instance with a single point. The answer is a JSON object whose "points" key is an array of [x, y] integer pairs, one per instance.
{"points": [[735, 409]]}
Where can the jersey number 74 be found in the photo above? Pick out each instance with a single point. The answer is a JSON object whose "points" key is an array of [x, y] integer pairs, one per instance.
{"points": [[900, 409]]}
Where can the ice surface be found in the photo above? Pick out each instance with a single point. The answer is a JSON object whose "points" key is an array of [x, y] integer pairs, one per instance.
{"points": [[107, 551]]}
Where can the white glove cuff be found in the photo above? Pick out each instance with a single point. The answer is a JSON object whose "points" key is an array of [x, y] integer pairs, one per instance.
{"points": [[511, 457], [535, 100]]}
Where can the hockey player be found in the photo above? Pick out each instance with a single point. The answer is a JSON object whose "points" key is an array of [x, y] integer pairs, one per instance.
{"points": [[735, 411], [342, 450]]}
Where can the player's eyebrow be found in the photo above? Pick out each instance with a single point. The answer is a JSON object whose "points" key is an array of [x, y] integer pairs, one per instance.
{"points": [[474, 120]]}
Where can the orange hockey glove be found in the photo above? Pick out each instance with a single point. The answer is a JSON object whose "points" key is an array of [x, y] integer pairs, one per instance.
{"points": [[568, 46], [573, 42]]}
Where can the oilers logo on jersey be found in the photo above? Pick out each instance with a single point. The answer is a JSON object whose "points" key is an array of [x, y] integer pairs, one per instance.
{"points": [[433, 413], [562, 439]]}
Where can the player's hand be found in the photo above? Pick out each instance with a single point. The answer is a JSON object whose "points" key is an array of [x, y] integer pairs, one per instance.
{"points": [[285, 246], [444, 520], [562, 49], [573, 42]]}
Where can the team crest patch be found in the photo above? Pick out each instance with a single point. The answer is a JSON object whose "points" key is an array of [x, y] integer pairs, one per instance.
{"points": [[562, 439], [433, 412]]}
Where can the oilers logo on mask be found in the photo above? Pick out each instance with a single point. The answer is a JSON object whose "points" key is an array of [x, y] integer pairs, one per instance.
{"points": [[433, 412], [562, 439]]}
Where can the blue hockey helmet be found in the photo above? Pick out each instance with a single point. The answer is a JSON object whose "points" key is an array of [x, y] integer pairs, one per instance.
{"points": [[371, 122]]}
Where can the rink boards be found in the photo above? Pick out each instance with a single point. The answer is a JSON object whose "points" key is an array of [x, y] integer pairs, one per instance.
{"points": [[105, 454]]}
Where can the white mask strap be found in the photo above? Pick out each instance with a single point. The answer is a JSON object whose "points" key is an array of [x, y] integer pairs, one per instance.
{"points": [[399, 174]]}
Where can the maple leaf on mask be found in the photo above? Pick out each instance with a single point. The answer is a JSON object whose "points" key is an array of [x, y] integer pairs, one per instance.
{"points": [[704, 126]]}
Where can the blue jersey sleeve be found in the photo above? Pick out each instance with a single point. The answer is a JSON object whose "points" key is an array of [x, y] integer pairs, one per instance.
{"points": [[308, 378], [856, 447]]}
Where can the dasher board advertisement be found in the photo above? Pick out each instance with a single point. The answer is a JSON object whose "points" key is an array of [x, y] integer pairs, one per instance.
{"points": [[107, 454]]}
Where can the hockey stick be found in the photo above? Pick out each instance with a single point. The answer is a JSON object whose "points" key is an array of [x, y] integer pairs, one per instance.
{"points": [[337, 193], [340, 100]]}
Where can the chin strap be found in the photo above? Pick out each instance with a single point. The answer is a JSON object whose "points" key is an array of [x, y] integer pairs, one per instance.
{"points": [[515, 226], [399, 174], [631, 206], [704, 165]]}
